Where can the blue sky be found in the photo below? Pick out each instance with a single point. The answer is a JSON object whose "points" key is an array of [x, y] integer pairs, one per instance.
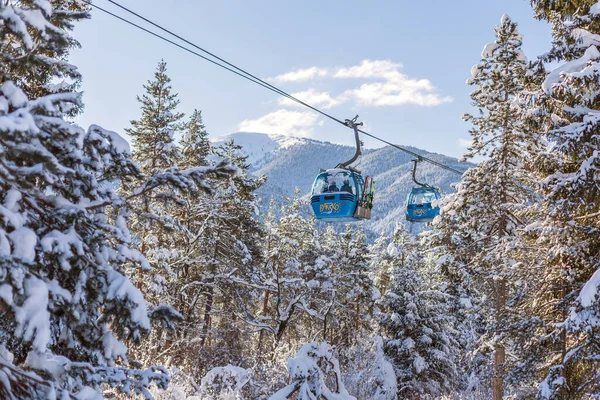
{"points": [[400, 65]]}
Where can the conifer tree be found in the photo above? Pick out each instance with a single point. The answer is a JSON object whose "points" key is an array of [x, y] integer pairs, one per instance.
{"points": [[26, 49], [353, 294], [211, 271], [416, 326], [66, 303], [153, 134], [293, 278], [195, 146], [481, 218], [156, 152], [567, 301]]}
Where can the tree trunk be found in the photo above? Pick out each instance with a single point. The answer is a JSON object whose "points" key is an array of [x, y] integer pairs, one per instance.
{"points": [[265, 309], [499, 352], [207, 311]]}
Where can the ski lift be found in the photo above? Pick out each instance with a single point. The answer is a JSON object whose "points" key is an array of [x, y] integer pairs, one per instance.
{"points": [[341, 194], [419, 206]]}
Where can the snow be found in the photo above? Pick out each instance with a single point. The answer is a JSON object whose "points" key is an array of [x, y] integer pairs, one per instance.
{"points": [[33, 318], [24, 241], [61, 243], [119, 143], [10, 211], [15, 96], [465, 302], [576, 65], [595, 9], [121, 288], [585, 38], [589, 292], [6, 294], [308, 371], [113, 348], [224, 383], [392, 250], [521, 56], [57, 366], [488, 49], [6, 355], [420, 364], [16, 24]]}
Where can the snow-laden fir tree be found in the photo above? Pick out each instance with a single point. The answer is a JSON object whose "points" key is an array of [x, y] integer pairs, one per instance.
{"points": [[567, 301], [353, 292], [37, 58], [156, 152], [195, 146], [66, 303], [480, 221], [416, 326], [153, 134]]}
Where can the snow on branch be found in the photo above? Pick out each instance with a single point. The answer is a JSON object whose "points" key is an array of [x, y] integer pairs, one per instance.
{"points": [[309, 371]]}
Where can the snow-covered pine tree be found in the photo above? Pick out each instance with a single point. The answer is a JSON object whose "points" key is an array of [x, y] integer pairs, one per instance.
{"points": [[416, 325], [480, 220], [195, 146], [153, 134], [548, 9], [310, 371], [25, 51], [567, 300], [349, 316], [66, 303], [230, 240], [156, 152], [380, 265]]}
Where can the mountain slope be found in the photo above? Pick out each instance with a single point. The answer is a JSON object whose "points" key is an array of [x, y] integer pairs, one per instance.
{"points": [[291, 163]]}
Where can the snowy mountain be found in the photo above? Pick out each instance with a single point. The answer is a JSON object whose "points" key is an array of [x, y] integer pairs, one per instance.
{"points": [[292, 162]]}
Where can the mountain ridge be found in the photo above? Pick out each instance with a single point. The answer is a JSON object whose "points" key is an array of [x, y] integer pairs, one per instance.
{"points": [[293, 162]]}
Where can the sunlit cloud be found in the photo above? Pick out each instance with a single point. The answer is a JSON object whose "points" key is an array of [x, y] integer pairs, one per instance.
{"points": [[370, 69], [393, 88], [312, 97], [283, 122], [394, 94], [388, 86], [301, 75]]}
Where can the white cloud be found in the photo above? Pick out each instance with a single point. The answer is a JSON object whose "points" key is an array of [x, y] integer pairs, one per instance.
{"points": [[394, 94], [312, 97], [369, 69], [301, 75], [282, 122], [393, 89], [390, 87]]}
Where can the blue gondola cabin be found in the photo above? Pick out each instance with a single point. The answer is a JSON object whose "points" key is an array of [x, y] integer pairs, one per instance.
{"points": [[337, 196], [419, 206]]}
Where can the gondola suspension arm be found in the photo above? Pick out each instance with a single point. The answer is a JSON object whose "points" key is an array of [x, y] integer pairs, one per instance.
{"points": [[414, 171], [354, 125]]}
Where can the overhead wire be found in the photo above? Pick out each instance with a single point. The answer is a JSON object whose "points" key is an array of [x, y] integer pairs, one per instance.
{"points": [[246, 75]]}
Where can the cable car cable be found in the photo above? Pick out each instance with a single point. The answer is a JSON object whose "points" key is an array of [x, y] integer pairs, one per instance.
{"points": [[172, 42], [244, 74]]}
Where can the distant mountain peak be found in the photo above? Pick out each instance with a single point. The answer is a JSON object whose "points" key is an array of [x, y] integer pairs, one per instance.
{"points": [[260, 146]]}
